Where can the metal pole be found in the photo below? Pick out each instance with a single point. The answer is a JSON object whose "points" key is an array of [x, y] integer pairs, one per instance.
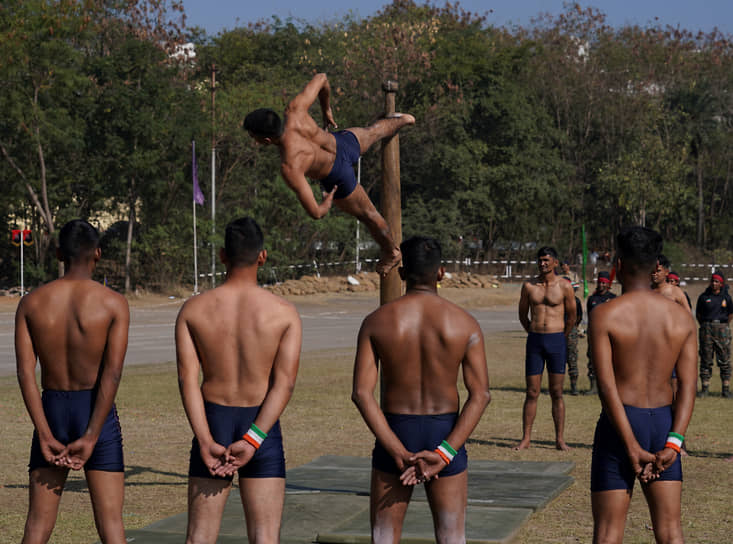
{"points": [[22, 243], [358, 180], [213, 177], [390, 287]]}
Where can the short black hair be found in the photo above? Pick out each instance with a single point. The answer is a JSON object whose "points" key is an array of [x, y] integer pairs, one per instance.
{"points": [[639, 248], [664, 261], [243, 241], [263, 122], [546, 250], [421, 259], [77, 240]]}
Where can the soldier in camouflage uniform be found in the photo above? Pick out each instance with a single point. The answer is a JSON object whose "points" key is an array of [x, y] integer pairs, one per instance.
{"points": [[572, 343], [714, 311], [602, 294]]}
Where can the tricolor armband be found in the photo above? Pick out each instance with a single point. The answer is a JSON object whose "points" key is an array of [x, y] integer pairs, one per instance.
{"points": [[446, 452], [674, 441], [255, 436]]}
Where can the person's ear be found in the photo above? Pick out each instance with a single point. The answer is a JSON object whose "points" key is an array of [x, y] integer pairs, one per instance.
{"points": [[441, 273], [261, 257], [223, 256]]}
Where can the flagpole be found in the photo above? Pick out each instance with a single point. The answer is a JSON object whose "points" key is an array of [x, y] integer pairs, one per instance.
{"points": [[195, 243], [213, 177]]}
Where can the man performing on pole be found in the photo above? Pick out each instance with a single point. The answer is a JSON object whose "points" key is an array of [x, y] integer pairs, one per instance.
{"points": [[246, 342], [77, 329], [637, 340], [550, 301], [421, 342], [307, 150]]}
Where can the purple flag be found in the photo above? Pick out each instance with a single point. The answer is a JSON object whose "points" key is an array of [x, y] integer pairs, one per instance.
{"points": [[198, 196]]}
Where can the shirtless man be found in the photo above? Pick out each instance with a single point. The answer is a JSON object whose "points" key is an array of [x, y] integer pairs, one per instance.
{"points": [[637, 339], [246, 342], [421, 341], [308, 150], [77, 329], [550, 301], [663, 287]]}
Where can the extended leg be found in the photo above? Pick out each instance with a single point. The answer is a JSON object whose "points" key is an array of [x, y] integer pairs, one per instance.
{"points": [[262, 499], [664, 499], [387, 507], [558, 409], [45, 486], [107, 491], [382, 128], [609, 515], [448, 496], [529, 409], [206, 500]]}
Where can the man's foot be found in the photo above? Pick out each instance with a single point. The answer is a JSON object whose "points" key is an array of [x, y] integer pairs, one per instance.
{"points": [[523, 445], [388, 261], [574, 388], [406, 117], [561, 445], [726, 394], [704, 392]]}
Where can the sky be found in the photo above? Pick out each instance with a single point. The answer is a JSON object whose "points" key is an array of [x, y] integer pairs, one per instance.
{"points": [[217, 15]]}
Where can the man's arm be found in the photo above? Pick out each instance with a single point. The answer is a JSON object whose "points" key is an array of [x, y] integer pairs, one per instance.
{"points": [[297, 181], [188, 363], [524, 307], [25, 360], [78, 452], [365, 382], [319, 88], [684, 400], [284, 372], [570, 308], [476, 380], [602, 356]]}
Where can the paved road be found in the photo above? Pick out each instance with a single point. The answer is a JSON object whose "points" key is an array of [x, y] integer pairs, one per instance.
{"points": [[334, 324]]}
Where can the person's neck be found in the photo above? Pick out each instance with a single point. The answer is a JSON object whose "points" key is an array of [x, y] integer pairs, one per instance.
{"points": [[422, 288], [636, 283], [548, 277], [78, 270], [246, 275]]}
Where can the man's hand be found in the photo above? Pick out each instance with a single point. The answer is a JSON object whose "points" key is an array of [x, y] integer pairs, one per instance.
{"points": [[51, 450], [663, 460], [76, 454], [324, 206], [642, 462], [213, 455], [237, 455], [424, 466], [328, 121]]}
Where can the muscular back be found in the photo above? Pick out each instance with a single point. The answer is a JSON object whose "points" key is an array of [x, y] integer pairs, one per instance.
{"points": [[306, 148], [421, 340], [237, 333], [69, 322], [645, 335]]}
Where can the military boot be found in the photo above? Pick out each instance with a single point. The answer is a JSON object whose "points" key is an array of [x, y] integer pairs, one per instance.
{"points": [[726, 394], [593, 389], [704, 391], [574, 387]]}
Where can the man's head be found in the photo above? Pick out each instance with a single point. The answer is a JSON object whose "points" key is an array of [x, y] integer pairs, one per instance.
{"points": [[78, 241], [673, 278], [603, 283], [263, 125], [546, 259], [421, 258], [243, 242], [659, 275], [716, 283], [565, 267], [637, 250]]}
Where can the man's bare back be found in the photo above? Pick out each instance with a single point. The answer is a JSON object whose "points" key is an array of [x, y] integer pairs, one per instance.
{"points": [[673, 293]]}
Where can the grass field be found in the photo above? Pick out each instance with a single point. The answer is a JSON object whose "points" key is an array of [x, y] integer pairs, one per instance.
{"points": [[157, 441]]}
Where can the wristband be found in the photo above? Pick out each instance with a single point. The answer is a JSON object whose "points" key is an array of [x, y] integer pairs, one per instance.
{"points": [[255, 436], [446, 452], [674, 441]]}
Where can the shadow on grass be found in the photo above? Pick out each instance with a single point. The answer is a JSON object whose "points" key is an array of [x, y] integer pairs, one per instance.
{"points": [[501, 442]]}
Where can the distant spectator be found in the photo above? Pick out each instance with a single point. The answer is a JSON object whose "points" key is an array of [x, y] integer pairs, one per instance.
{"points": [[568, 273], [572, 341], [602, 294], [713, 311], [674, 279]]}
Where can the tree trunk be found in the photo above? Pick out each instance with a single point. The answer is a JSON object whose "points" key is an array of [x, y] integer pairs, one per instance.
{"points": [[130, 223], [700, 205]]}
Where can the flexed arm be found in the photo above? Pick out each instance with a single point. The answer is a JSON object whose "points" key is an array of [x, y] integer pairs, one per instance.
{"points": [[299, 184], [319, 88]]}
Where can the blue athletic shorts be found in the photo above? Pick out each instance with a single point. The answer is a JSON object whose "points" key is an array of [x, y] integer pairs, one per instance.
{"points": [[68, 414], [229, 424], [342, 175], [610, 466], [545, 347], [417, 433]]}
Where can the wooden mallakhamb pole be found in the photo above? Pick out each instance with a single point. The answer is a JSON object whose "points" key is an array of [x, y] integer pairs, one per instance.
{"points": [[390, 287]]}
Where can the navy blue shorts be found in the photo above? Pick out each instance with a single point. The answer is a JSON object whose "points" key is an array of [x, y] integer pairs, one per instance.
{"points": [[229, 424], [342, 174], [417, 433], [610, 466], [68, 414], [545, 347]]}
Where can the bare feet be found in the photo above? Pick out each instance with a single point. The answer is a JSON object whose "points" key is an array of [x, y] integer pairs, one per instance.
{"points": [[406, 117], [561, 445], [387, 261], [683, 452], [523, 445]]}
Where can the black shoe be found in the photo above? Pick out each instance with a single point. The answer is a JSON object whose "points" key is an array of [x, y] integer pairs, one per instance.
{"points": [[726, 394], [574, 389], [593, 388], [703, 392]]}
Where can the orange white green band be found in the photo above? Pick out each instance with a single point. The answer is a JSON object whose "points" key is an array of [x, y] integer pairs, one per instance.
{"points": [[255, 436], [674, 441], [446, 452]]}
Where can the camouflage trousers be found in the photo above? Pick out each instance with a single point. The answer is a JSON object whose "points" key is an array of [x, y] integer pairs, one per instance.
{"points": [[572, 356], [591, 370], [714, 341]]}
